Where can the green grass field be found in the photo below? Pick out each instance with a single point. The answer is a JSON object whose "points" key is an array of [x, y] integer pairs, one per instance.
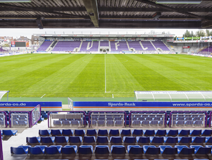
{"points": [[66, 75]]}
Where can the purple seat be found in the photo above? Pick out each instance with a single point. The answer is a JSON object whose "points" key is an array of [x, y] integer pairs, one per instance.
{"points": [[118, 123], [109, 123], [101, 123]]}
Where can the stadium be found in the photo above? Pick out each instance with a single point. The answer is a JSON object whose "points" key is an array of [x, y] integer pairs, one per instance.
{"points": [[117, 94]]}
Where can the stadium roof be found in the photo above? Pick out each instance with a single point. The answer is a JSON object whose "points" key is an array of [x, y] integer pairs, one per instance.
{"points": [[105, 14]]}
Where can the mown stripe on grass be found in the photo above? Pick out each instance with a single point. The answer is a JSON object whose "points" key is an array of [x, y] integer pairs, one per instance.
{"points": [[23, 61], [91, 79], [182, 78], [55, 85], [23, 78], [119, 79], [147, 75]]}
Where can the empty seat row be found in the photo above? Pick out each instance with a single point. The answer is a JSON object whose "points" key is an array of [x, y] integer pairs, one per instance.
{"points": [[118, 140], [124, 132], [115, 149], [8, 132]]}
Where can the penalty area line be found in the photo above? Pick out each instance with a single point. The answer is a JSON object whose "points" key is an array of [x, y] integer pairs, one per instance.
{"points": [[42, 96]]}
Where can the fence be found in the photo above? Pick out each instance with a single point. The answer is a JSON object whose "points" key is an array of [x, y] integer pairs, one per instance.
{"points": [[3, 119], [66, 119], [145, 119], [193, 119], [1, 149], [35, 115], [25, 119], [19, 119], [107, 119]]}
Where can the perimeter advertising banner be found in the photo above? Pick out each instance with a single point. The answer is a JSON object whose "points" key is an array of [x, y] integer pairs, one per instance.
{"points": [[142, 105], [28, 106]]}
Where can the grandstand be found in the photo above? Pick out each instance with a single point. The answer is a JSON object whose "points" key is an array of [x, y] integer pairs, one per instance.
{"points": [[96, 43]]}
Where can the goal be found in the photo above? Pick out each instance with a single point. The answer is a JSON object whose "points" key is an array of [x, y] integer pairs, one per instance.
{"points": [[2, 93], [70, 103]]}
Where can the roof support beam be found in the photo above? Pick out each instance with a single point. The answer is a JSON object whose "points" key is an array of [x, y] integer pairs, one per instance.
{"points": [[168, 8], [39, 23], [206, 24], [92, 9], [38, 9]]}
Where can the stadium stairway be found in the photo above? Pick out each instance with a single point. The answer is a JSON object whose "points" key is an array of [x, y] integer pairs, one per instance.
{"points": [[20, 139]]}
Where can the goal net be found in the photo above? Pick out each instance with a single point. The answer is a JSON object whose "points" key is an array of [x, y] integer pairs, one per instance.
{"points": [[70, 103]]}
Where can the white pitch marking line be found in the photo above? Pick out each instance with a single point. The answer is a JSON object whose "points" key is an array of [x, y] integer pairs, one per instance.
{"points": [[105, 75], [43, 96]]}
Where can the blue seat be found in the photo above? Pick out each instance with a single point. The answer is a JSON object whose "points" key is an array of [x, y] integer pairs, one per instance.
{"points": [[61, 139], [182, 149], [206, 132], [196, 132], [47, 140], [149, 132], [114, 132], [209, 146], [102, 140], [67, 132], [85, 149], [150, 149], [56, 132], [156, 140], [166, 149], [118, 149], [54, 149], [101, 149], [91, 132], [44, 132], [9, 132], [184, 132], [79, 132], [68, 149], [208, 140], [143, 140], [170, 140], [115, 140], [89, 139], [125, 132], [129, 140], [160, 132], [134, 149], [198, 149], [172, 133], [75, 139], [201, 159], [184, 139], [19, 150], [198, 139], [102, 132], [39, 149], [33, 140], [137, 132]]}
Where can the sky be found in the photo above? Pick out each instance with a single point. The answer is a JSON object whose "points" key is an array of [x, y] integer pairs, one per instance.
{"points": [[16, 33]]}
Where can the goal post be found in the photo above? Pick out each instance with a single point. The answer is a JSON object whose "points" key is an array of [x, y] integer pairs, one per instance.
{"points": [[2, 93], [70, 103]]}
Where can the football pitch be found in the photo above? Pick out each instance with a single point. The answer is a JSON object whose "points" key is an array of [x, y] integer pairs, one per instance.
{"points": [[106, 75]]}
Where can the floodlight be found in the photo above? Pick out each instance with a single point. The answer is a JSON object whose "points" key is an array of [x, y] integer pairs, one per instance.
{"points": [[14, 1], [178, 1]]}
